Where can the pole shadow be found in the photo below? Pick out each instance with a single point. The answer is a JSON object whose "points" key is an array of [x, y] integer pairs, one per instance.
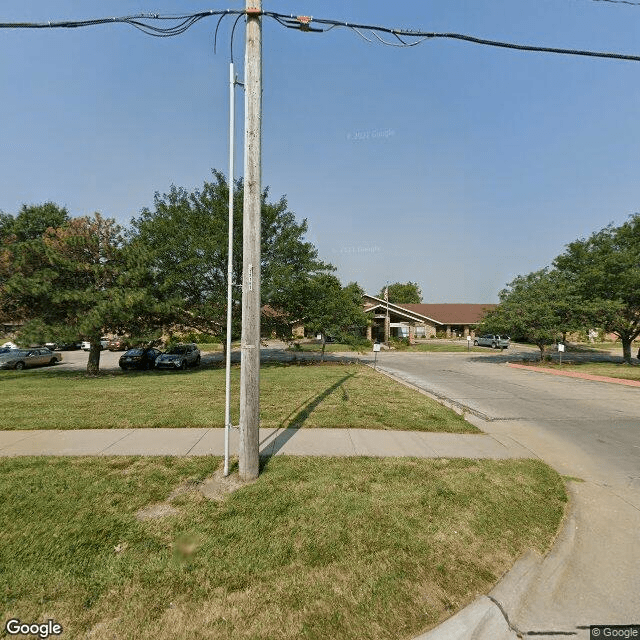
{"points": [[303, 412]]}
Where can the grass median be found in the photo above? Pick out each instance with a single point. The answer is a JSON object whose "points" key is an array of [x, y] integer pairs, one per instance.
{"points": [[607, 369], [330, 395], [315, 548]]}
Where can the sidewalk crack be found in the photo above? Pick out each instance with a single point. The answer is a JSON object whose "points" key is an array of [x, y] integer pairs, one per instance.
{"points": [[126, 435], [197, 442]]}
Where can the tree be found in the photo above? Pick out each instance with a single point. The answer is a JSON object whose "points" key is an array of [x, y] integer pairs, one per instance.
{"points": [[87, 282], [186, 237], [605, 269], [22, 252], [540, 306], [328, 308], [32, 221], [407, 293]]}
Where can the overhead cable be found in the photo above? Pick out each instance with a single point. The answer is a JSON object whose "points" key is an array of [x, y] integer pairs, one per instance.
{"points": [[403, 37], [411, 37]]}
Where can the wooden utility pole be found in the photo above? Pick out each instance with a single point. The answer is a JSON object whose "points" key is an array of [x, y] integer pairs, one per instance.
{"points": [[251, 233]]}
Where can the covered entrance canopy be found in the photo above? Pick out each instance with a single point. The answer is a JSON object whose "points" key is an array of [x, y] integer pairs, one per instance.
{"points": [[421, 320]]}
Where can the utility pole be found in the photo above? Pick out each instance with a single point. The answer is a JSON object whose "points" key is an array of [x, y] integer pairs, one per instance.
{"points": [[251, 234]]}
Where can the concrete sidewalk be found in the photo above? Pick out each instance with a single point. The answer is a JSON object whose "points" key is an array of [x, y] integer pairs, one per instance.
{"points": [[299, 442]]}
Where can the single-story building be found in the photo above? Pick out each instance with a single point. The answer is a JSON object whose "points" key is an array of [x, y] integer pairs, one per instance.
{"points": [[421, 320]]}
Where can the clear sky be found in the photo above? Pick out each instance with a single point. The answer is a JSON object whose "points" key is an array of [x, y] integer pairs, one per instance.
{"points": [[449, 164]]}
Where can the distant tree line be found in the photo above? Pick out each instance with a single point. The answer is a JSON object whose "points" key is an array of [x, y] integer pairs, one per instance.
{"points": [[595, 283], [78, 278]]}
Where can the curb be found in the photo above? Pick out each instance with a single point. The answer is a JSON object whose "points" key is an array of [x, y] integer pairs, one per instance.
{"points": [[493, 616], [575, 374]]}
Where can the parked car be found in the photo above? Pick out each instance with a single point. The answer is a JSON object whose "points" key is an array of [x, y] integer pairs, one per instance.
{"points": [[118, 344], [139, 358], [62, 346], [69, 346], [492, 340], [180, 356], [23, 358], [86, 344]]}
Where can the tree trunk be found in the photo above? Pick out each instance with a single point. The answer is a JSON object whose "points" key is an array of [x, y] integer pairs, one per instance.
{"points": [[93, 365], [626, 349], [324, 342], [541, 347]]}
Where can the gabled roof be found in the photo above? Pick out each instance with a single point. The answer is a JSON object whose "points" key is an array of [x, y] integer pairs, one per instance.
{"points": [[452, 313], [442, 313]]}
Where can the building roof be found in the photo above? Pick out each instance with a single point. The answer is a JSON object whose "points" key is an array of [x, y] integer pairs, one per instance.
{"points": [[441, 313], [452, 313]]}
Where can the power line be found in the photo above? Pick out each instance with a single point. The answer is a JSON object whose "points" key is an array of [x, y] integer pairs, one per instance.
{"points": [[635, 4], [143, 21], [411, 38], [400, 37]]}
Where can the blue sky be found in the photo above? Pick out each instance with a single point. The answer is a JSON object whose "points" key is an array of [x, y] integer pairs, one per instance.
{"points": [[449, 164]]}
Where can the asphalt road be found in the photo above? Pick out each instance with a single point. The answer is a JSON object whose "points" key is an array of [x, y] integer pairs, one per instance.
{"points": [[601, 421]]}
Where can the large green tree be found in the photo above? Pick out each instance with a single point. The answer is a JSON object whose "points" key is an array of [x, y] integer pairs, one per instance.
{"points": [[540, 306], [78, 281], [23, 254], [328, 308], [605, 269], [186, 236], [31, 222], [403, 293]]}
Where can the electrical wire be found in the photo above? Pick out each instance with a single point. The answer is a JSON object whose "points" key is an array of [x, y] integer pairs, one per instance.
{"points": [[143, 21], [634, 4], [405, 37], [294, 22]]}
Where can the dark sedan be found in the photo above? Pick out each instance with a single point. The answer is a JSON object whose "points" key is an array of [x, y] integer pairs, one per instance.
{"points": [[140, 358]]}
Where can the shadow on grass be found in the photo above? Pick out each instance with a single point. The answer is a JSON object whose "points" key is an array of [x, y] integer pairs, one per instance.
{"points": [[290, 425]]}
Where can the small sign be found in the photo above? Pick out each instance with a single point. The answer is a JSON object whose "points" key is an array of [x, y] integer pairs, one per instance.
{"points": [[468, 338], [560, 347], [376, 346]]}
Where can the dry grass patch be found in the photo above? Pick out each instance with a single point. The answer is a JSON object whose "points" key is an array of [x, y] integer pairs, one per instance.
{"points": [[315, 548]]}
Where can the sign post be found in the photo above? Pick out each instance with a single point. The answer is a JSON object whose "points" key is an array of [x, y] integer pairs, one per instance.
{"points": [[376, 348], [560, 351], [468, 343]]}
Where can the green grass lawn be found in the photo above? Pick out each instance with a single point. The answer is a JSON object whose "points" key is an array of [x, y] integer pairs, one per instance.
{"points": [[330, 347], [420, 347], [333, 395], [315, 548], [444, 347], [612, 370]]}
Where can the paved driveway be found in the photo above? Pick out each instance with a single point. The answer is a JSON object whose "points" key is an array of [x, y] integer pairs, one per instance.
{"points": [[584, 429]]}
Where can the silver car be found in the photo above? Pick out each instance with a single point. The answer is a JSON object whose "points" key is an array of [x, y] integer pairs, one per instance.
{"points": [[180, 356], [23, 358], [492, 340]]}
